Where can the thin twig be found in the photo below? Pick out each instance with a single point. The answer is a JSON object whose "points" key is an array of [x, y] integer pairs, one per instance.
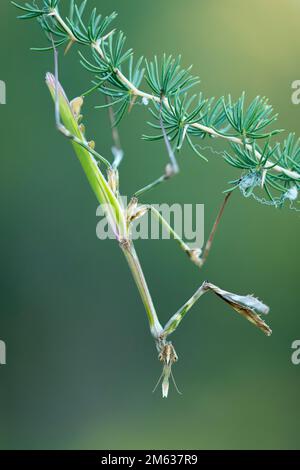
{"points": [[136, 91]]}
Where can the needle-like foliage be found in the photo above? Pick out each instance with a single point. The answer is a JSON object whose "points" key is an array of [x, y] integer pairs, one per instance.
{"points": [[178, 116], [255, 163], [289, 154], [33, 11], [213, 118], [250, 122], [168, 78]]}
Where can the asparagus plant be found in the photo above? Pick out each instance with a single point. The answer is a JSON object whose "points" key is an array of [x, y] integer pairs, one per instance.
{"points": [[179, 118]]}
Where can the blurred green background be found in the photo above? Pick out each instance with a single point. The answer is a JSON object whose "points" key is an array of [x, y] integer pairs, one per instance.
{"points": [[80, 361]]}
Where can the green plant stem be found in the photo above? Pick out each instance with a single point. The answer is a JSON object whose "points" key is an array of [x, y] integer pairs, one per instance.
{"points": [[138, 275]]}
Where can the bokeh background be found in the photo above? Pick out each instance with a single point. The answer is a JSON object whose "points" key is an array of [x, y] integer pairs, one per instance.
{"points": [[80, 361]]}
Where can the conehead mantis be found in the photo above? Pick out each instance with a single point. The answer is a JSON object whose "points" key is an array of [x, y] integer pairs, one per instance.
{"points": [[179, 120]]}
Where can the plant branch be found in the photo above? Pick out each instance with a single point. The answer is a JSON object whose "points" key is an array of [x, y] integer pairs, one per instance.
{"points": [[208, 130], [55, 14], [137, 92]]}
